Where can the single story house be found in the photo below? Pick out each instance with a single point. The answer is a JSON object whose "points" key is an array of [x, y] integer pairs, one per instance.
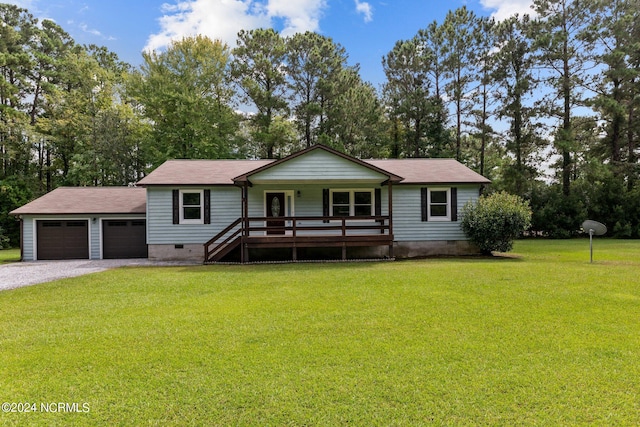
{"points": [[316, 203]]}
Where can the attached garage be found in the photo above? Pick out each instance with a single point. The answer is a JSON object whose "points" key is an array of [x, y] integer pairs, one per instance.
{"points": [[84, 223], [62, 239], [124, 238]]}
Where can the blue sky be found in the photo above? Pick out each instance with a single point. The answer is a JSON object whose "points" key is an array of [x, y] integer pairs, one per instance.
{"points": [[368, 29]]}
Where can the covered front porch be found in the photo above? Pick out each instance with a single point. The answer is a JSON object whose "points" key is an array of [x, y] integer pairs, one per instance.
{"points": [[318, 198], [294, 233]]}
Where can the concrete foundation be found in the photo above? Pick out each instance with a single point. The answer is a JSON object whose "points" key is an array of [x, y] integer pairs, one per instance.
{"points": [[186, 252], [434, 248], [419, 249]]}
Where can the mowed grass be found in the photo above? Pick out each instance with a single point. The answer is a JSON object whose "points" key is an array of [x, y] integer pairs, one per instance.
{"points": [[9, 255], [540, 337]]}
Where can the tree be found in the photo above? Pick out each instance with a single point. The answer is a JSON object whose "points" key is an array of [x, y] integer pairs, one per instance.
{"points": [[485, 40], [561, 51], [614, 33], [15, 35], [460, 49], [69, 112], [432, 43], [187, 95], [513, 73], [51, 47], [313, 64], [258, 67], [408, 94], [355, 122], [495, 221]]}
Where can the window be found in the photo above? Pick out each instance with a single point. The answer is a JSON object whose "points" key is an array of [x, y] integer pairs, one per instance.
{"points": [[437, 204], [351, 202], [191, 207]]}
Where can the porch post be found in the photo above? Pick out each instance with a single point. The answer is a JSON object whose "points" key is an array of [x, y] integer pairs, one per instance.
{"points": [[390, 195], [244, 251]]}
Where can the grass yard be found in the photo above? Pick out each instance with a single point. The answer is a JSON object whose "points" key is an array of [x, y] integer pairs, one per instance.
{"points": [[9, 255], [540, 337]]}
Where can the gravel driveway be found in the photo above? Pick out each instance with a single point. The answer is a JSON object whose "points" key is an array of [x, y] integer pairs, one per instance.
{"points": [[18, 274]]}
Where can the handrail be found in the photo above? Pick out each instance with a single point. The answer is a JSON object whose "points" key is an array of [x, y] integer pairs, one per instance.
{"points": [[208, 253], [379, 223], [223, 232]]}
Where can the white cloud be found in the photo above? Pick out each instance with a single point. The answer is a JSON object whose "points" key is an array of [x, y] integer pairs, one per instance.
{"points": [[93, 31], [298, 15], [25, 4], [223, 19], [365, 9], [504, 9]]}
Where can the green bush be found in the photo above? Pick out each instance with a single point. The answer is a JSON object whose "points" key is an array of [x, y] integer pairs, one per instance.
{"points": [[495, 221], [4, 240]]}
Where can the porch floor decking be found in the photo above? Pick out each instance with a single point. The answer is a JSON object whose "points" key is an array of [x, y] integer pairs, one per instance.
{"points": [[293, 236]]}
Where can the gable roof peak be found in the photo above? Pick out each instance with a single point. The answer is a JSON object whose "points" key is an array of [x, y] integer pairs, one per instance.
{"points": [[332, 151]]}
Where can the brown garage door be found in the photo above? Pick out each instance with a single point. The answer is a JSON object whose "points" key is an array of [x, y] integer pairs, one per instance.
{"points": [[63, 239], [124, 238]]}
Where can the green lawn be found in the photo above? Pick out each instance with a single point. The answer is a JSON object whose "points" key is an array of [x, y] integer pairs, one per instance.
{"points": [[9, 255], [540, 337]]}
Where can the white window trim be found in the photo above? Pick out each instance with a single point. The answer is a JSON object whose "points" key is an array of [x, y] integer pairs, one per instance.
{"points": [[448, 204], [181, 206], [351, 192]]}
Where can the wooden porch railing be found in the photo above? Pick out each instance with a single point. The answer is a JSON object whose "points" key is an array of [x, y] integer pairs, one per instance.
{"points": [[211, 253], [323, 231]]}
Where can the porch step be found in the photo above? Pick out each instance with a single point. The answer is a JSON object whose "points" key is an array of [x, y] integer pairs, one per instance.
{"points": [[224, 251]]}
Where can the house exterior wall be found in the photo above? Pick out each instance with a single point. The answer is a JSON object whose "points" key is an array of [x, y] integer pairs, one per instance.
{"points": [[413, 237], [29, 243], [28, 238], [407, 222], [184, 241], [170, 241], [317, 166], [225, 208], [309, 200]]}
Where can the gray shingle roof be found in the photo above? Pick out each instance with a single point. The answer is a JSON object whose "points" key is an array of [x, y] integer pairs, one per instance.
{"points": [[222, 172], [88, 200], [200, 172], [430, 171]]}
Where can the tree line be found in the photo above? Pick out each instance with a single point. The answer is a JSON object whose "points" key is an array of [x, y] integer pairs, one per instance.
{"points": [[545, 106]]}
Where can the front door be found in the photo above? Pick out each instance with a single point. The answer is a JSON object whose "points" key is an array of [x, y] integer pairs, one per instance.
{"points": [[275, 208]]}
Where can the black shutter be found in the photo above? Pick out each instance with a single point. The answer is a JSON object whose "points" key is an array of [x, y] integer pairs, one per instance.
{"points": [[176, 206], [207, 206], [454, 204], [424, 203], [378, 201], [325, 203]]}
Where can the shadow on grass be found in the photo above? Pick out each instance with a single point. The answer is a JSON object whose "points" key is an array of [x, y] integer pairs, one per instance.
{"points": [[351, 265], [497, 257]]}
